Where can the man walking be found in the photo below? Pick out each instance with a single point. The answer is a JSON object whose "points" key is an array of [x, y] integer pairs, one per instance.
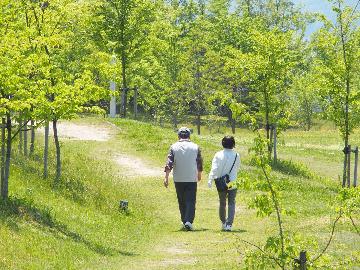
{"points": [[185, 160]]}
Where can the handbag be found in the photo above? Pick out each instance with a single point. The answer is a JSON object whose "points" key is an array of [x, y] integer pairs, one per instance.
{"points": [[221, 182]]}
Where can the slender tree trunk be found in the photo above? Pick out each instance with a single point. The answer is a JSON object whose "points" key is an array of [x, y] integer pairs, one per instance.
{"points": [[308, 123], [32, 139], [198, 123], [46, 149], [175, 120], [275, 144], [3, 142], [345, 165], [20, 137], [347, 81], [348, 167], [267, 122], [124, 83], [58, 157], [232, 121], [5, 184], [356, 165], [25, 139], [233, 127], [135, 102]]}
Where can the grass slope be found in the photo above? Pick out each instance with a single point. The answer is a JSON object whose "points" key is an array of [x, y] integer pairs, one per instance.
{"points": [[77, 225]]}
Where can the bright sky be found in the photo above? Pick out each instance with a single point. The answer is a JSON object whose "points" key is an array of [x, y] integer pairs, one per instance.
{"points": [[322, 6]]}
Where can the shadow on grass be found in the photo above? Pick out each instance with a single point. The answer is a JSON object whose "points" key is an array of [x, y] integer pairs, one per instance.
{"points": [[69, 187], [237, 231], [290, 167], [195, 230], [13, 209]]}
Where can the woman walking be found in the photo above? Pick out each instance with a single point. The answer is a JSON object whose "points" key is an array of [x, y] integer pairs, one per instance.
{"points": [[224, 169]]}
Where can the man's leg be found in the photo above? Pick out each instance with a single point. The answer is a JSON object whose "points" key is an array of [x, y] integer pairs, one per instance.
{"points": [[222, 206], [190, 201], [180, 192], [231, 206]]}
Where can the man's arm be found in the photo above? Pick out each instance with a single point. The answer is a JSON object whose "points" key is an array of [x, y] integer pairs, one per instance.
{"points": [[168, 167], [166, 180], [199, 164]]}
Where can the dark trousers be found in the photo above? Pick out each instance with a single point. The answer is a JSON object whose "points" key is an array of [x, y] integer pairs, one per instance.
{"points": [[186, 194], [230, 195]]}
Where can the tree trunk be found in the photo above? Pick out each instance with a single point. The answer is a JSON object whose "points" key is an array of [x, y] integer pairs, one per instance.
{"points": [[175, 120], [135, 102], [46, 149], [198, 123], [356, 165], [25, 139], [345, 165], [5, 184], [3, 138], [347, 81], [20, 137], [58, 157], [124, 83], [275, 144], [267, 122], [233, 128], [348, 167], [32, 139]]}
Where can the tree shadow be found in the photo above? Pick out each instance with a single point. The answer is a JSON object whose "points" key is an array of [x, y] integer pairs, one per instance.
{"points": [[290, 167], [14, 209], [68, 186]]}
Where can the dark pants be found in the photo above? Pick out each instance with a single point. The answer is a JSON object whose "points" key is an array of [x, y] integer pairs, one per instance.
{"points": [[186, 194], [230, 195]]}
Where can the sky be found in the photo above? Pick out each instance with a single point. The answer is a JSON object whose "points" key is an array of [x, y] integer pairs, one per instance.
{"points": [[321, 6]]}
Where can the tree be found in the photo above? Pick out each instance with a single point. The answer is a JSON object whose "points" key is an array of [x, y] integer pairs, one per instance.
{"points": [[305, 101], [67, 85], [163, 67], [124, 31], [14, 69], [337, 66]]}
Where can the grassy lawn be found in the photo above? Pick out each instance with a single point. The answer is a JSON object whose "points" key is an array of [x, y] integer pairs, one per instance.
{"points": [[77, 224]]}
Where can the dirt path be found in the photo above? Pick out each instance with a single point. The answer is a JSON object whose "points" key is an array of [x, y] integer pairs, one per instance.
{"points": [[131, 166], [135, 167], [83, 132]]}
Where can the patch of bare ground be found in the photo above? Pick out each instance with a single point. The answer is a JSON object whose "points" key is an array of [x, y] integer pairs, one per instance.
{"points": [[83, 132], [137, 167]]}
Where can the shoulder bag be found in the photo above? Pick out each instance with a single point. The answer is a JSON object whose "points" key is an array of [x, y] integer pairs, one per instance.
{"points": [[221, 182]]}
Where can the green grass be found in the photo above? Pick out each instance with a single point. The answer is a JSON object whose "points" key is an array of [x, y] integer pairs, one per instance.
{"points": [[77, 224]]}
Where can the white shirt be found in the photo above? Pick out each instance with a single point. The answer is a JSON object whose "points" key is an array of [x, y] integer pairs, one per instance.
{"points": [[221, 165]]}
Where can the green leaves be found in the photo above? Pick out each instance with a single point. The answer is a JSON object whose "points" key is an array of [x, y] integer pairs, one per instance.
{"points": [[348, 201]]}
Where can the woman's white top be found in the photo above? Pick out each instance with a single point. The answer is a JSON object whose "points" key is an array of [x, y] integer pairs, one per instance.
{"points": [[221, 165]]}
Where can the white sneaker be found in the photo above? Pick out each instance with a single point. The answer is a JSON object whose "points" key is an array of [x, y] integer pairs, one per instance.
{"points": [[188, 226], [223, 226], [227, 228]]}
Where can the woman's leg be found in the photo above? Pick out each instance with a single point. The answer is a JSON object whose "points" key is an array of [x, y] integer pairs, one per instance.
{"points": [[231, 206], [222, 206]]}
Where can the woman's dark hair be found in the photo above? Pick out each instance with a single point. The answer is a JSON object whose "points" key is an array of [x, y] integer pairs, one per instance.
{"points": [[228, 142]]}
